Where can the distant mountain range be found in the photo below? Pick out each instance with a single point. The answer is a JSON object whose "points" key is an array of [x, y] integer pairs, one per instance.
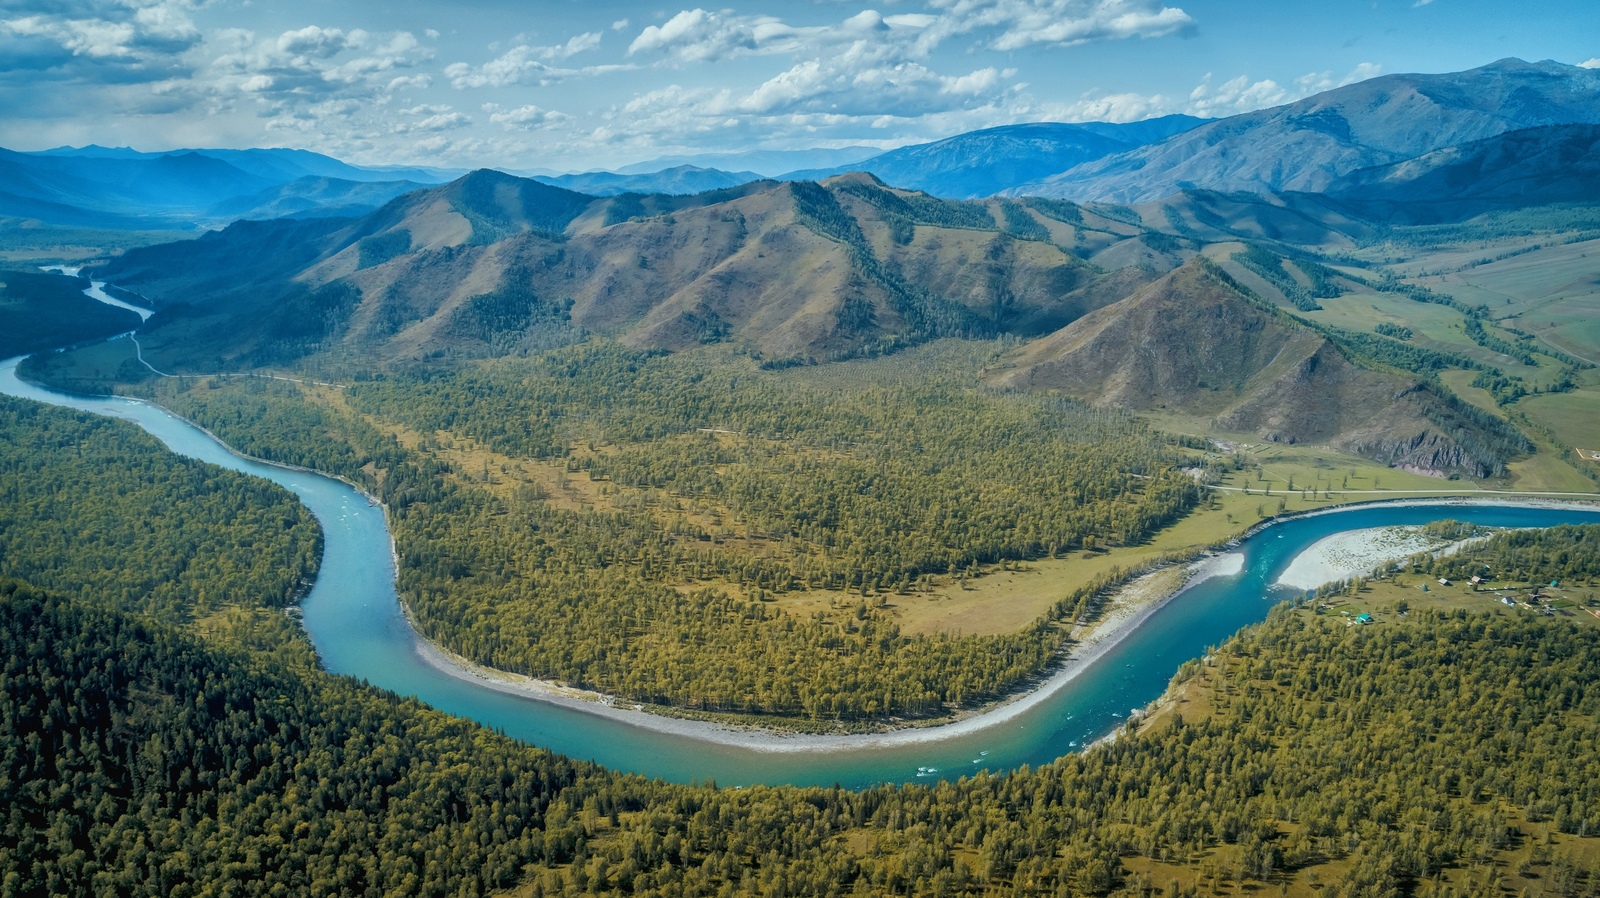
{"points": [[765, 163], [682, 179], [1307, 145], [794, 271], [1398, 140], [122, 188], [984, 163]]}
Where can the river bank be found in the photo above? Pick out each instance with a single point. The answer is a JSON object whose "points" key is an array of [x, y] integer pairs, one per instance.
{"points": [[1129, 607]]}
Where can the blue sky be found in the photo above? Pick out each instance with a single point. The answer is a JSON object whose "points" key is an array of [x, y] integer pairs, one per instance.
{"points": [[602, 84]]}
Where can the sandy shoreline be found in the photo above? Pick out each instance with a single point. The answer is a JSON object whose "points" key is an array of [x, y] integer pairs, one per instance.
{"points": [[1355, 553], [1131, 607], [1341, 555]]}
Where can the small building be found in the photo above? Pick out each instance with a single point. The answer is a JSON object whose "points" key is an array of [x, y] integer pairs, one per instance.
{"points": [[1443, 582], [1476, 579], [1363, 618], [1509, 601]]}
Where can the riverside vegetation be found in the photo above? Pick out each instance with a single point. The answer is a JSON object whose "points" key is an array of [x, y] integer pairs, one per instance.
{"points": [[1444, 754], [711, 489]]}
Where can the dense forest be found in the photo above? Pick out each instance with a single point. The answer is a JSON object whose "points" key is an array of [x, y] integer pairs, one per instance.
{"points": [[76, 492], [1568, 552], [1418, 758], [708, 490], [1443, 754], [43, 310]]}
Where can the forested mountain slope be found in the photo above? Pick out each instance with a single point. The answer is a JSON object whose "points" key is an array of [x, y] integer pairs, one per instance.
{"points": [[138, 760], [1195, 343]]}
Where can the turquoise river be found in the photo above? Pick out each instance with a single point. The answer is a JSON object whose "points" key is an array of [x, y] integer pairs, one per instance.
{"points": [[354, 619]]}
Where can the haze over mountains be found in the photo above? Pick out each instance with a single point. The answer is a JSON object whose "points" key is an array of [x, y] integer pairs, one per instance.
{"points": [[121, 188], [1306, 146]]}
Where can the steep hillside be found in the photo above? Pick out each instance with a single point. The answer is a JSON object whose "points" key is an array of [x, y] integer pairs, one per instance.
{"points": [[492, 263], [1306, 145], [1531, 167], [1194, 344], [984, 163]]}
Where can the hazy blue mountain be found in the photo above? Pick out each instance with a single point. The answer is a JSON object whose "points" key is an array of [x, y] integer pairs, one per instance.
{"points": [[122, 188], [1306, 145], [1531, 167], [154, 192], [275, 164], [766, 163], [987, 162], [313, 197], [93, 151], [683, 179]]}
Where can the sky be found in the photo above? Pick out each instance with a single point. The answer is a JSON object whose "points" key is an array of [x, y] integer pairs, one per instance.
{"points": [[529, 84]]}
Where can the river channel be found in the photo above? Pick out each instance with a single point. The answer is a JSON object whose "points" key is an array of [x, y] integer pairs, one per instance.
{"points": [[354, 619]]}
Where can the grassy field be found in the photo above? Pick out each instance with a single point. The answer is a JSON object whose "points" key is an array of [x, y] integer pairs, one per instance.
{"points": [[1573, 417], [1006, 598], [42, 245]]}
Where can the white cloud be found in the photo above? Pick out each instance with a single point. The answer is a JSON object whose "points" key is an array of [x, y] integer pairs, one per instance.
{"points": [[1591, 64], [1234, 96], [1317, 82], [525, 64], [97, 41], [1015, 24], [523, 118], [317, 43], [1118, 107], [695, 35], [443, 121]]}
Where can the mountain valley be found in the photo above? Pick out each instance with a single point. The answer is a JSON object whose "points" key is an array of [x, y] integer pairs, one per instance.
{"points": [[858, 451]]}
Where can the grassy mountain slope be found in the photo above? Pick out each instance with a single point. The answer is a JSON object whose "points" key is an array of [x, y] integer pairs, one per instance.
{"points": [[491, 262], [1194, 344], [1307, 144]]}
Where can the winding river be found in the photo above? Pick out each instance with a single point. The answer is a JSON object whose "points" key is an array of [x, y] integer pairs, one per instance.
{"points": [[354, 619]]}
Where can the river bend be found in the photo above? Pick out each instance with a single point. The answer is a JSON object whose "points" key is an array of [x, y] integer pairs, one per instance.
{"points": [[354, 619]]}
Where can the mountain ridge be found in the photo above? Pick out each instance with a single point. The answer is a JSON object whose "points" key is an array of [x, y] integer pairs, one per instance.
{"points": [[1374, 122]]}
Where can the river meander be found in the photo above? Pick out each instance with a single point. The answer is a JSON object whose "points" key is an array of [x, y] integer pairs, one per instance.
{"points": [[354, 619]]}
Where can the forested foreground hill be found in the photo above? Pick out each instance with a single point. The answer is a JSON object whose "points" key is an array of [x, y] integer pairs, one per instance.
{"points": [[1449, 755]]}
